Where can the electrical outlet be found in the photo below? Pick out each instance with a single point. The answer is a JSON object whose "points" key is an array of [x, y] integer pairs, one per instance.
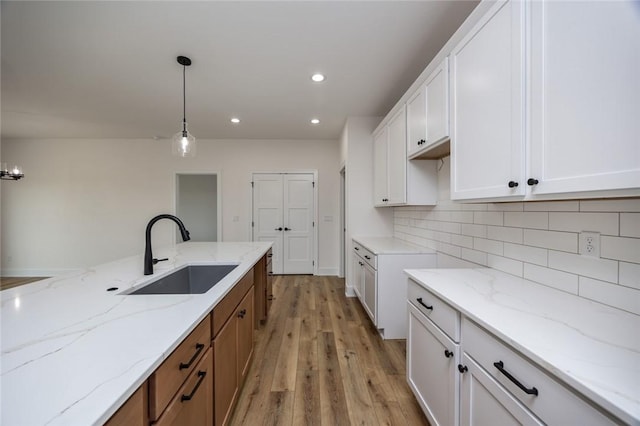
{"points": [[589, 244]]}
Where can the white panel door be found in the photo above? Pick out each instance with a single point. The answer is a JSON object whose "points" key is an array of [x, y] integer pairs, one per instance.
{"points": [[298, 224], [267, 214], [487, 114], [283, 213], [585, 93]]}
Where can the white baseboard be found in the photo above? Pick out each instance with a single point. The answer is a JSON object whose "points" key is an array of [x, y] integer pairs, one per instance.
{"points": [[349, 291], [8, 272], [327, 271]]}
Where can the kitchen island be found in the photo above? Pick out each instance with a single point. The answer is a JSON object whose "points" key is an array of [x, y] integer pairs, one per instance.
{"points": [[73, 352]]}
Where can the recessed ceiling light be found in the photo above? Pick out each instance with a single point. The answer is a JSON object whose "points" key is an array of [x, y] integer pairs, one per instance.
{"points": [[235, 120], [317, 77], [315, 121]]}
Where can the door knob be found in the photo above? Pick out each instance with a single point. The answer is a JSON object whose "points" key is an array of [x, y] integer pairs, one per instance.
{"points": [[279, 229]]}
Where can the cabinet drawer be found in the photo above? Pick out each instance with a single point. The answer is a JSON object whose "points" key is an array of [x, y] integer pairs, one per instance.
{"points": [[227, 306], [366, 255], [192, 405], [167, 379], [443, 315], [553, 404]]}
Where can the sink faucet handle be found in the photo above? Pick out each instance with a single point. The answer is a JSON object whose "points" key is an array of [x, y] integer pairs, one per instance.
{"points": [[159, 260]]}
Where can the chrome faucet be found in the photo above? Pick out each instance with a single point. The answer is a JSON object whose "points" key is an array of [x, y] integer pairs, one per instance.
{"points": [[149, 261]]}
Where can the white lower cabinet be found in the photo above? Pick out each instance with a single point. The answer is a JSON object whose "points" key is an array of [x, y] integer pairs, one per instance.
{"points": [[432, 359], [484, 381], [484, 402], [381, 285]]}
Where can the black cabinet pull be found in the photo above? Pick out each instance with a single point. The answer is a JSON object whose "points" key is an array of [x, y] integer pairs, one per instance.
{"points": [[242, 313], [419, 299], [270, 255], [356, 248], [500, 366], [287, 229], [270, 297], [532, 181], [448, 353], [512, 184], [462, 368], [279, 229], [367, 257], [201, 375], [199, 348]]}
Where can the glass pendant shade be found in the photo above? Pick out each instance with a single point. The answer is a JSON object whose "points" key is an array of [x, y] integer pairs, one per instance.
{"points": [[183, 143]]}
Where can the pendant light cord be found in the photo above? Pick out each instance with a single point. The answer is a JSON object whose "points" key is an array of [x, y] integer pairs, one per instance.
{"points": [[184, 99]]}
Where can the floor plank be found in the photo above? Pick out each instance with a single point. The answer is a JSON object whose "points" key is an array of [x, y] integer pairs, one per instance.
{"points": [[320, 361], [10, 282]]}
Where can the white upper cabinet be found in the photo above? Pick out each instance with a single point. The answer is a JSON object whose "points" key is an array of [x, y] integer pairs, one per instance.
{"points": [[398, 181], [585, 96], [563, 126], [397, 164], [487, 121], [428, 113]]}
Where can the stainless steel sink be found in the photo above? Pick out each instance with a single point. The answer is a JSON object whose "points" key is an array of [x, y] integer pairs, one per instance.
{"points": [[192, 279]]}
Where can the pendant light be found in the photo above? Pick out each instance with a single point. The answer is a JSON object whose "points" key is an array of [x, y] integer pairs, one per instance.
{"points": [[184, 143]]}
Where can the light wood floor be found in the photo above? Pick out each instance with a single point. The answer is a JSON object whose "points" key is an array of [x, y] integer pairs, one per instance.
{"points": [[9, 282], [319, 361]]}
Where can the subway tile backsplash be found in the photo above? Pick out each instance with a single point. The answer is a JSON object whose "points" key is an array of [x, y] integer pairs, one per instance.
{"points": [[537, 241]]}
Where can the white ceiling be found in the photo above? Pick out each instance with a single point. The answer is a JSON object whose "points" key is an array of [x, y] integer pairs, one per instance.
{"points": [[90, 69]]}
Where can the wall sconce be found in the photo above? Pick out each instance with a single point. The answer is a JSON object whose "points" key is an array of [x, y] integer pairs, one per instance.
{"points": [[14, 174]]}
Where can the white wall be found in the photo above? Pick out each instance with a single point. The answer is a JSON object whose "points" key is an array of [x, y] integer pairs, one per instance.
{"points": [[86, 202], [197, 205], [535, 240], [361, 217]]}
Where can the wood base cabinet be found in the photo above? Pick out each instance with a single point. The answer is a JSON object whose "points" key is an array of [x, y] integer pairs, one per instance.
{"points": [[233, 347], [134, 411], [192, 404], [263, 288]]}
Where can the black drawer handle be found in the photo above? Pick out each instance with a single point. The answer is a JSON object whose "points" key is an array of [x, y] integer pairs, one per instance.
{"points": [[419, 299], [356, 248], [462, 368], [199, 348], [500, 366], [270, 297], [532, 181], [512, 184], [367, 257], [448, 353], [242, 313], [270, 255], [201, 375]]}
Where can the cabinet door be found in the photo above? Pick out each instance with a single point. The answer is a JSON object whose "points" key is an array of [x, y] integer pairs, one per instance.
{"points": [[485, 402], [245, 335], [431, 369], [357, 266], [417, 121], [225, 365], [397, 158], [380, 188], [585, 96], [192, 403], [487, 115], [437, 98], [370, 292]]}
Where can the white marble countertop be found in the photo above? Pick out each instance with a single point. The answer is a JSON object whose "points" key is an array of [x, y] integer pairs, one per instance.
{"points": [[72, 353], [390, 245], [592, 348]]}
